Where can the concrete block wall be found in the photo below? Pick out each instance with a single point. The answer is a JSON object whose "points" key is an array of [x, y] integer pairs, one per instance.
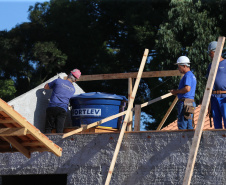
{"points": [[158, 158], [32, 104]]}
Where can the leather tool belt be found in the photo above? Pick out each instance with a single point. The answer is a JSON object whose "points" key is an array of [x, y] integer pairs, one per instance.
{"points": [[188, 108], [219, 92]]}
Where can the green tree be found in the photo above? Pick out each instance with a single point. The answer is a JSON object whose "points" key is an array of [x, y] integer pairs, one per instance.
{"points": [[7, 90], [100, 37], [187, 31], [47, 57]]}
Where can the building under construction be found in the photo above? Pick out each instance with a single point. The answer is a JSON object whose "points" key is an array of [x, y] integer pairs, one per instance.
{"points": [[102, 155]]}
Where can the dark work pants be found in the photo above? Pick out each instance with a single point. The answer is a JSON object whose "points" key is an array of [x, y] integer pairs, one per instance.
{"points": [[55, 117]]}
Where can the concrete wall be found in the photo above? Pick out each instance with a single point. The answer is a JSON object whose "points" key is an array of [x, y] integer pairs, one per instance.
{"points": [[158, 158], [32, 104]]}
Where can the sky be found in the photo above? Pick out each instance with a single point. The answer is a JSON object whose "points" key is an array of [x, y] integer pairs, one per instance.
{"points": [[13, 12]]}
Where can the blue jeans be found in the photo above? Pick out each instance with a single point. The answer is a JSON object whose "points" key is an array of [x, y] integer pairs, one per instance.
{"points": [[218, 107], [182, 122]]}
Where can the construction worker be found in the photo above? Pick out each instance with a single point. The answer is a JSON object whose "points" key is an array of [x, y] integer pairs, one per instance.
{"points": [[218, 97], [63, 90], [185, 94]]}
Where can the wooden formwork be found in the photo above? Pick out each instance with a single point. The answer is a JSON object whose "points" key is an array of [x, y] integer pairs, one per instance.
{"points": [[18, 135]]}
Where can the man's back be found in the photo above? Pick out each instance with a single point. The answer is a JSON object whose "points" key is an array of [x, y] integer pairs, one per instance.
{"points": [[63, 90]]}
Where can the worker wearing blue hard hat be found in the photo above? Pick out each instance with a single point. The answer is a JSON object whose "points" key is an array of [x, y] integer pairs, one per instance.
{"points": [[218, 97]]}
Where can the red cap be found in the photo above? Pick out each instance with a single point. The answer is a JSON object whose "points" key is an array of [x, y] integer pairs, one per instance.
{"points": [[76, 73]]}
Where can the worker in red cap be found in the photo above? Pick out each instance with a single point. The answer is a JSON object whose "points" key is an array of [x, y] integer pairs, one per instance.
{"points": [[63, 90]]}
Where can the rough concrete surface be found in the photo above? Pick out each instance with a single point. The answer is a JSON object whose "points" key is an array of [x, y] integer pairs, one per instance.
{"points": [[158, 158], [32, 104]]}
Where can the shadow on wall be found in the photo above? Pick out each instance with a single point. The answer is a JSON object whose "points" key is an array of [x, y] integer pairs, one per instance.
{"points": [[43, 97]]}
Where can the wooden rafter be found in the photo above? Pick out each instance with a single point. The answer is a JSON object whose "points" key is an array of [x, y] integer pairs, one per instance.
{"points": [[20, 127], [18, 146], [130, 89], [115, 76], [13, 131], [5, 121]]}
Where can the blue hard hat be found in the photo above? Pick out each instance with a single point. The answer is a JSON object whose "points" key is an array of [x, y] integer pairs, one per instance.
{"points": [[212, 46]]}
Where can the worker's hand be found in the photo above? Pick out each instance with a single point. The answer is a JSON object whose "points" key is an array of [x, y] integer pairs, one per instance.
{"points": [[173, 91], [46, 86]]}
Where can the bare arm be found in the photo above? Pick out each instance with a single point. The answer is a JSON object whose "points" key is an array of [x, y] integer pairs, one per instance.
{"points": [[46, 86], [181, 91]]}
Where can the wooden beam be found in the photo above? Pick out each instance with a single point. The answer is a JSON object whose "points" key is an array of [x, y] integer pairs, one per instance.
{"points": [[115, 76], [94, 124], [156, 99], [9, 111], [139, 75], [130, 89], [5, 121], [167, 113], [203, 111], [137, 117], [18, 146], [13, 131], [23, 143], [32, 143], [113, 116]]}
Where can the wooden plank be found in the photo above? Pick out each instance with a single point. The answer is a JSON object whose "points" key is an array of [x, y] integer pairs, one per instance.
{"points": [[32, 129], [130, 89], [115, 76], [203, 111], [18, 146], [167, 113], [113, 116], [31, 143], [126, 117], [156, 99], [5, 121], [137, 117], [13, 131], [94, 124]]}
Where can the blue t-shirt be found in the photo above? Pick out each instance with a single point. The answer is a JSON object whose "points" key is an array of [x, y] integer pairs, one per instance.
{"points": [[220, 81], [63, 90], [190, 80]]}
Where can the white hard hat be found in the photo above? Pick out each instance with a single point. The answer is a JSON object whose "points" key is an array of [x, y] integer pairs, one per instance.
{"points": [[183, 60]]}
